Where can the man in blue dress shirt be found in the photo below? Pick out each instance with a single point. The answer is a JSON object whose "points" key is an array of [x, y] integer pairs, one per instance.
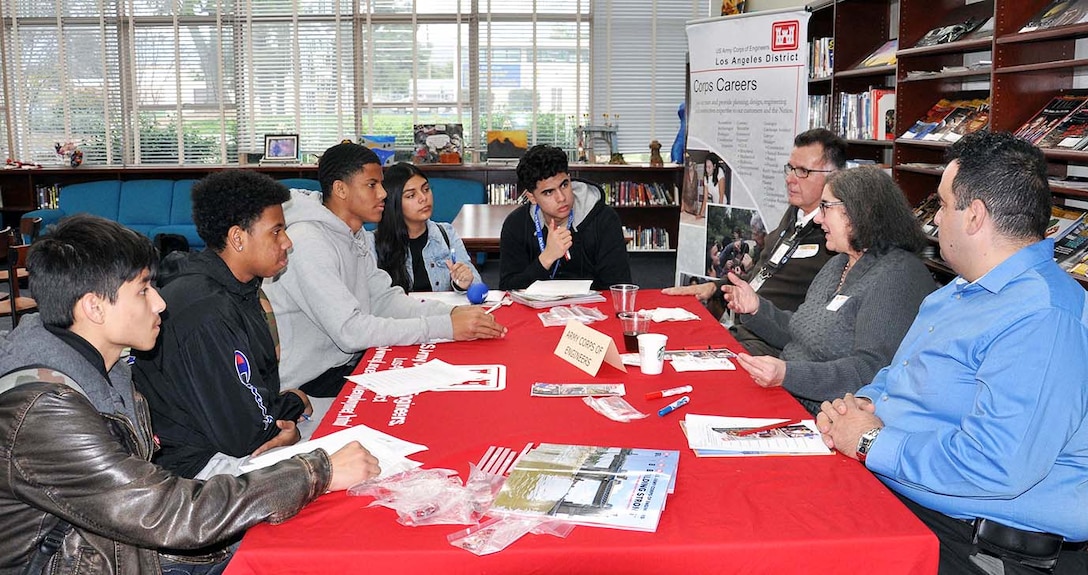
{"points": [[979, 423]]}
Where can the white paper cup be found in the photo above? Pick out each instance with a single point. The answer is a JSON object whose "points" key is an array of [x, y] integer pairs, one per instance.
{"points": [[651, 352]]}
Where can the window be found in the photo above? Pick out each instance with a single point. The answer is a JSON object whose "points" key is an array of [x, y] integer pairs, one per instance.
{"points": [[162, 82]]}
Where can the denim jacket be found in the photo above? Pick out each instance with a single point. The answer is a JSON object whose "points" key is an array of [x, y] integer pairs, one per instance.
{"points": [[437, 253]]}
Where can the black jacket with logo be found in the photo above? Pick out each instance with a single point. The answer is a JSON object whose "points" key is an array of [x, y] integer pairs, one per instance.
{"points": [[212, 381]]}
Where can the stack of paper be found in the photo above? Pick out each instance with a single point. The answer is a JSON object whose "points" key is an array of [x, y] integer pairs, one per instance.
{"points": [[713, 436], [411, 380], [548, 293], [392, 453]]}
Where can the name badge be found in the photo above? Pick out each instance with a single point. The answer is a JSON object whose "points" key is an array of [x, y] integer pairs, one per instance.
{"points": [[776, 257], [757, 282], [806, 250], [837, 302]]}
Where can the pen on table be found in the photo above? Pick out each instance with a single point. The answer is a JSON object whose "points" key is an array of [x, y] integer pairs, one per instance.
{"points": [[494, 307], [704, 348], [668, 392], [779, 425], [306, 417], [673, 406]]}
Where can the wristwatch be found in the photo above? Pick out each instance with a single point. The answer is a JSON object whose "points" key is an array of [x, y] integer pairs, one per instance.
{"points": [[865, 442]]}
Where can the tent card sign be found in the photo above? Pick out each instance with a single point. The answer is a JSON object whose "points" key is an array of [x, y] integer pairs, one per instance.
{"points": [[586, 348]]}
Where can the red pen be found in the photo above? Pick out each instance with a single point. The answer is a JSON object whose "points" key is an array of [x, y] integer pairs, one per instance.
{"points": [[756, 430]]}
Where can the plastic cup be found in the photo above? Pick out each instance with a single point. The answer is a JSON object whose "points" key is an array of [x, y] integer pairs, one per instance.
{"points": [[633, 324], [623, 297], [651, 352]]}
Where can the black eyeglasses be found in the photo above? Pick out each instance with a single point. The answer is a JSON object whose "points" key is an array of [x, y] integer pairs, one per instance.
{"points": [[825, 204], [802, 172]]}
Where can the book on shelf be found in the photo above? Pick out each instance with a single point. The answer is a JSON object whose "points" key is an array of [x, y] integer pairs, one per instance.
{"points": [[882, 56], [950, 32], [883, 123], [646, 239], [1048, 118], [621, 488], [1058, 13], [821, 58], [438, 144], [1070, 134]]}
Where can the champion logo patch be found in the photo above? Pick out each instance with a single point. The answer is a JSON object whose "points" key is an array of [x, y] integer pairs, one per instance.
{"points": [[241, 363]]}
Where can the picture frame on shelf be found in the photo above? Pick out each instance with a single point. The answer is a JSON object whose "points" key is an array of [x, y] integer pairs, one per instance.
{"points": [[280, 149]]}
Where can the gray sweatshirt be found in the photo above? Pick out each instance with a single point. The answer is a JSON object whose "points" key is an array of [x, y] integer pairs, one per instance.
{"points": [[333, 301]]}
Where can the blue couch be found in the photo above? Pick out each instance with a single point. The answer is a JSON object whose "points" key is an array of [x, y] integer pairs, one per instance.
{"points": [[150, 207]]}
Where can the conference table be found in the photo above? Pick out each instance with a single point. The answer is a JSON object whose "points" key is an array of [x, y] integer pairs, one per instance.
{"points": [[784, 514], [480, 225]]}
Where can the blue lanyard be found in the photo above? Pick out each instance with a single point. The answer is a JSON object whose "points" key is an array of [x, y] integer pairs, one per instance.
{"points": [[540, 234]]}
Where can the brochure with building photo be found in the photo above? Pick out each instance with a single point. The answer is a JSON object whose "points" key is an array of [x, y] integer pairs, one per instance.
{"points": [[622, 488]]}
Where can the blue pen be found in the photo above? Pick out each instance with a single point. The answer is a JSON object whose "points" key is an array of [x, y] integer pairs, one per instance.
{"points": [[673, 406]]}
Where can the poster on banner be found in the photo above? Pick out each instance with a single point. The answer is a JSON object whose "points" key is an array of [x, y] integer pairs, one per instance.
{"points": [[748, 98]]}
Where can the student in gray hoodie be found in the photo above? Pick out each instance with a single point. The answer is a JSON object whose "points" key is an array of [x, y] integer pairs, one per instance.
{"points": [[332, 302]]}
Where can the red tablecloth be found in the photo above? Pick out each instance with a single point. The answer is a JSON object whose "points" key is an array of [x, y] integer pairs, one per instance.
{"points": [[758, 514]]}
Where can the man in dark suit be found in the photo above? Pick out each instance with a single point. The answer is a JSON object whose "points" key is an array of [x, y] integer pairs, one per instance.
{"points": [[794, 251]]}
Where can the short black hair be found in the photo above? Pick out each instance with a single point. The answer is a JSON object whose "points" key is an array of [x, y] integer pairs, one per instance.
{"points": [[833, 145], [540, 163], [84, 254], [340, 162], [232, 198], [1009, 176], [879, 214]]}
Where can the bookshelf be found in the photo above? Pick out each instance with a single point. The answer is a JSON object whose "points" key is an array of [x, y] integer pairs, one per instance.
{"points": [[858, 27], [18, 187]]}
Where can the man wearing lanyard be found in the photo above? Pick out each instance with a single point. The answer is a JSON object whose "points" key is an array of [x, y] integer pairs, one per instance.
{"points": [[795, 250], [567, 231]]}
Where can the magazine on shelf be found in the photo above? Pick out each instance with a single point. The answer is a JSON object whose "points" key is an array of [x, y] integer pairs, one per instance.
{"points": [[1062, 219], [962, 120], [1072, 244], [1048, 118], [950, 33], [882, 56], [927, 123], [986, 30], [978, 119], [926, 211], [438, 144], [883, 114], [1070, 134], [621, 488], [1058, 13]]}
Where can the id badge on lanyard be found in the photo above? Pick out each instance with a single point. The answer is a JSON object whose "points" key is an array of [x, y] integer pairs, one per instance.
{"points": [[781, 255]]}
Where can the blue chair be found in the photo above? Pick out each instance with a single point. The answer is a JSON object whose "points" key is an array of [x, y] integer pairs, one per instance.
{"points": [[301, 184], [452, 193]]}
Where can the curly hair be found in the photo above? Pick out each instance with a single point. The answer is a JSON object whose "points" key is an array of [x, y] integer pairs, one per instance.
{"points": [[1009, 176], [391, 235], [879, 214], [540, 163], [340, 162], [232, 198], [833, 145], [84, 254]]}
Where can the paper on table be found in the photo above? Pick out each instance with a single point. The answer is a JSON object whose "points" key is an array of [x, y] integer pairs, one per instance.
{"points": [[556, 288], [410, 380], [390, 451], [454, 298], [713, 433], [670, 314]]}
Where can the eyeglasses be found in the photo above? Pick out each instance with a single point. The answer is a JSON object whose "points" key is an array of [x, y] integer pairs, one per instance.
{"points": [[802, 172], [825, 204]]}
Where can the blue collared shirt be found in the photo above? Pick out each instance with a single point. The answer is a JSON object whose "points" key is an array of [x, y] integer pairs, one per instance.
{"points": [[985, 402]]}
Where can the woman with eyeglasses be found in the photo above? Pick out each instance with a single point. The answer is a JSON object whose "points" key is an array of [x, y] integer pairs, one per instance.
{"points": [[858, 307], [418, 253]]}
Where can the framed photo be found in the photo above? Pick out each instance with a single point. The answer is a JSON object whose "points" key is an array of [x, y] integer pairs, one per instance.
{"points": [[280, 148]]}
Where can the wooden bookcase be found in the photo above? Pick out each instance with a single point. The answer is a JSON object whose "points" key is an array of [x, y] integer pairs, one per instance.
{"points": [[1027, 70], [17, 187], [858, 27]]}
